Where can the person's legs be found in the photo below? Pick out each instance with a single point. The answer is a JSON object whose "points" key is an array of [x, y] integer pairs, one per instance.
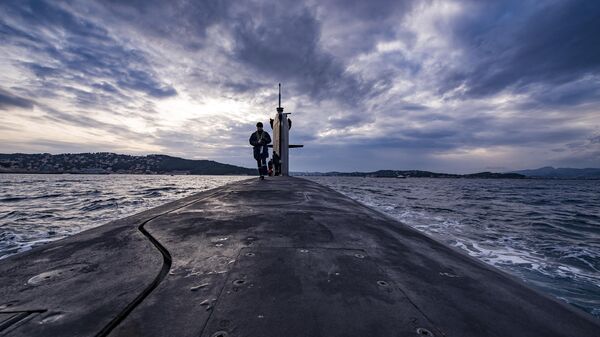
{"points": [[262, 167], [258, 156], [276, 164], [263, 154], [258, 161]]}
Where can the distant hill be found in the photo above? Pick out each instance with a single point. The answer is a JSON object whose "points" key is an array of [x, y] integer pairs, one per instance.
{"points": [[562, 173], [415, 174], [106, 162]]}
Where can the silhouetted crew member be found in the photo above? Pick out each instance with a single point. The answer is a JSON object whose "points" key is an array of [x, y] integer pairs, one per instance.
{"points": [[259, 141], [270, 167]]}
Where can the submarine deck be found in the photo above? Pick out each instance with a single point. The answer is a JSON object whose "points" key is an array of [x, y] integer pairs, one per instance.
{"points": [[280, 257]]}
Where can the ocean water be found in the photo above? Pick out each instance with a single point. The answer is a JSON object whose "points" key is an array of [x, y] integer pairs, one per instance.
{"points": [[545, 232], [39, 208]]}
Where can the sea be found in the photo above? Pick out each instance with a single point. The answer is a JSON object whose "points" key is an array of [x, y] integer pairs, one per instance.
{"points": [[545, 232]]}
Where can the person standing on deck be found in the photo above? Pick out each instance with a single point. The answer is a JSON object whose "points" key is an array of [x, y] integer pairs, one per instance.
{"points": [[259, 140]]}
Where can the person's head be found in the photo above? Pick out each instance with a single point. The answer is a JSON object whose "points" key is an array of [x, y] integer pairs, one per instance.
{"points": [[259, 126]]}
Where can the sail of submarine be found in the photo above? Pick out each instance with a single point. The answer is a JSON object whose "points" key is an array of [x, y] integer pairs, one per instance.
{"points": [[281, 125]]}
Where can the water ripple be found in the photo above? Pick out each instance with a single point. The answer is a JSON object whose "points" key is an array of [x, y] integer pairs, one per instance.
{"points": [[36, 209]]}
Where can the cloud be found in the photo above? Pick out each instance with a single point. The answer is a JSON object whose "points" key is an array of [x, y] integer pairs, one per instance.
{"points": [[582, 91], [68, 47], [8, 100], [45, 145], [154, 17], [457, 85], [353, 27], [281, 41], [513, 44]]}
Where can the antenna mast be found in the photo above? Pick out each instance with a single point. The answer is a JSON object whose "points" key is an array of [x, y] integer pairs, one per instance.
{"points": [[282, 138], [279, 108]]}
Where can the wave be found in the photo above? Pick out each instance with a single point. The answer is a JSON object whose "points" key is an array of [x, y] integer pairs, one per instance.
{"points": [[22, 198]]}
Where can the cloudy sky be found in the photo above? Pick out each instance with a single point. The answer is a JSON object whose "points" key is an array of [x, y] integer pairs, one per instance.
{"points": [[453, 86]]}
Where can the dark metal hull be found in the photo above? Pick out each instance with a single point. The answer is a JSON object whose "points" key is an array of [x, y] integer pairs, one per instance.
{"points": [[281, 257]]}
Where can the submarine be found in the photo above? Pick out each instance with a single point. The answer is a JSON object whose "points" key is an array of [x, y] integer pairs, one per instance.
{"points": [[282, 257]]}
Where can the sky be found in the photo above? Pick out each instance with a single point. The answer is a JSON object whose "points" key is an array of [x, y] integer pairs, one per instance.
{"points": [[447, 86]]}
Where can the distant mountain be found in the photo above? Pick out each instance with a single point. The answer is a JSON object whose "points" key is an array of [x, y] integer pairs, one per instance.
{"points": [[562, 173], [106, 162], [414, 174]]}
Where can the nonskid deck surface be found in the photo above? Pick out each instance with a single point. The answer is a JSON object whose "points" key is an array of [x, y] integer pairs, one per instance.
{"points": [[280, 257]]}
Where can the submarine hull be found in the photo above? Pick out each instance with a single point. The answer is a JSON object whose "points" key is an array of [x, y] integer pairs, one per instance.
{"points": [[280, 257]]}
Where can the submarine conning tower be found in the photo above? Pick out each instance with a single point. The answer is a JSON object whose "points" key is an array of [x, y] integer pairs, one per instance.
{"points": [[281, 138]]}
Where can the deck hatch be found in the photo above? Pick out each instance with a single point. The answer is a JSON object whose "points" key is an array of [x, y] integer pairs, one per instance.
{"points": [[311, 292]]}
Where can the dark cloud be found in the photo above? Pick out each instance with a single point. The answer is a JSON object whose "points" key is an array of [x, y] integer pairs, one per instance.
{"points": [[41, 71], [371, 11], [282, 43], [360, 157], [242, 87], [351, 119], [412, 148], [365, 85], [279, 41], [512, 44], [411, 107], [75, 47], [566, 95], [9, 100], [144, 82], [89, 123], [155, 17], [104, 86], [365, 23], [459, 132]]}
